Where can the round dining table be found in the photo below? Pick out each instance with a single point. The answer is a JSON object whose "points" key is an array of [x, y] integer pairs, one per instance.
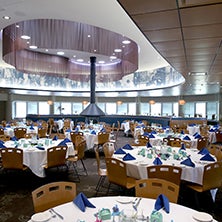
{"points": [[119, 205]]}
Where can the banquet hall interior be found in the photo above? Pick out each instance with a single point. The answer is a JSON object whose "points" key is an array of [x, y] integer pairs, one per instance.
{"points": [[146, 73]]}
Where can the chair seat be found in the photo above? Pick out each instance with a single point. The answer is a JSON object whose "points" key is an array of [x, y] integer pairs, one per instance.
{"points": [[131, 182], [102, 172]]}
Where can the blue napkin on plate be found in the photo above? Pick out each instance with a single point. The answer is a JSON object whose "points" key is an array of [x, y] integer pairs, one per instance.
{"points": [[151, 135], [93, 132], [55, 138], [40, 147], [81, 201], [203, 151], [127, 147], [63, 143], [182, 132], [2, 145], [31, 128], [148, 145], [157, 161], [153, 132], [207, 157], [120, 151], [128, 156], [186, 138], [195, 134], [162, 202], [183, 147], [198, 136], [188, 162], [146, 134], [1, 141], [14, 138]]}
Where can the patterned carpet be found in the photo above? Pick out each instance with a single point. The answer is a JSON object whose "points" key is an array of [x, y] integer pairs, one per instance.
{"points": [[15, 190]]}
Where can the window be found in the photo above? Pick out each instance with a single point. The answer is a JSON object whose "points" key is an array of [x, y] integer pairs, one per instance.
{"points": [[66, 108], [145, 108], [166, 109], [111, 108], [32, 107], [131, 108], [201, 109], [77, 108], [43, 108], [188, 109], [122, 109], [155, 109], [20, 109], [212, 110]]}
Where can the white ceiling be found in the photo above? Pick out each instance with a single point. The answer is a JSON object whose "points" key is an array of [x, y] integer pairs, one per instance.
{"points": [[108, 14]]}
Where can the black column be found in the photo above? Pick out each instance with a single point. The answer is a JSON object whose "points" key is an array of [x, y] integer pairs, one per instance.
{"points": [[92, 79]]}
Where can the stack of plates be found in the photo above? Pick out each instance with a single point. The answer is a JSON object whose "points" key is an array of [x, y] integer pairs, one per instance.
{"points": [[202, 217]]}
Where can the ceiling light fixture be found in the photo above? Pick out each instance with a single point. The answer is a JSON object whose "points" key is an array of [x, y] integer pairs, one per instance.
{"points": [[33, 47], [126, 42], [6, 17], [60, 53], [197, 73], [152, 102], [117, 50], [25, 37]]}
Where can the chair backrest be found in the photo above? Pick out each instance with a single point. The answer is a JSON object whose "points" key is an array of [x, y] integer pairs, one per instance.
{"points": [[80, 148], [73, 136], [12, 158], [103, 137], [218, 136], [20, 132], [1, 131], [142, 140], [5, 137], [42, 132], [218, 153], [53, 194], [153, 187], [56, 156], [116, 170], [213, 148], [212, 176], [202, 143], [166, 172], [78, 139], [108, 149], [187, 144], [175, 143]]}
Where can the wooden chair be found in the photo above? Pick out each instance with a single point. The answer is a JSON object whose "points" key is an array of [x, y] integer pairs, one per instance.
{"points": [[166, 172], [218, 153], [42, 132], [117, 174], [102, 172], [4, 138], [2, 131], [108, 149], [213, 148], [187, 144], [80, 149], [20, 132], [74, 136], [103, 137], [56, 157], [142, 140], [153, 187], [218, 137], [175, 143], [12, 159], [53, 194], [202, 143]]}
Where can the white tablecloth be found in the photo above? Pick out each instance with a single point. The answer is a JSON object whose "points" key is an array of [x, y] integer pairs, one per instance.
{"points": [[34, 158], [71, 212]]}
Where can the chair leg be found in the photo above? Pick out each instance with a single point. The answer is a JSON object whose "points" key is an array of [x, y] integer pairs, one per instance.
{"points": [[100, 183], [84, 167]]}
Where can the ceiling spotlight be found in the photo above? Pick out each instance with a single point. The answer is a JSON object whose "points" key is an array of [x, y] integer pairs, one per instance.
{"points": [[6, 17], [60, 53], [101, 62], [33, 47], [117, 50], [25, 37], [126, 42], [79, 60], [113, 57]]}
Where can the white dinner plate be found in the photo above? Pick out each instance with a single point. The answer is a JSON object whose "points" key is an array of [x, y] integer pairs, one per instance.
{"points": [[202, 217], [41, 217], [124, 200]]}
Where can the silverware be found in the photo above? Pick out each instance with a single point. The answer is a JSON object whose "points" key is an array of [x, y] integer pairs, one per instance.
{"points": [[137, 204], [57, 214]]}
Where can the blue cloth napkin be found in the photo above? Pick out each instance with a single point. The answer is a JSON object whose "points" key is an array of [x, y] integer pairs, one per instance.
{"points": [[197, 136], [120, 151], [203, 151], [128, 156], [186, 138], [81, 201], [63, 143], [31, 128], [162, 202], [207, 157], [2, 145], [1, 141], [212, 130], [14, 138], [103, 130], [55, 138], [153, 132], [188, 162], [146, 134], [40, 147], [151, 135], [93, 132], [68, 130], [182, 132], [183, 147], [157, 161], [127, 147], [148, 145]]}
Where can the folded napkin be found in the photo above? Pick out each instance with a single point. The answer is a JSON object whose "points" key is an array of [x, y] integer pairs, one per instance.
{"points": [[182, 132], [31, 128], [2, 145], [63, 143], [40, 147], [127, 147], [55, 138], [151, 135], [183, 147], [192, 124], [103, 130], [157, 161], [162, 202], [93, 132], [203, 151], [212, 130], [186, 138], [207, 157], [188, 162], [128, 156], [197, 136], [146, 134], [120, 151], [14, 138], [148, 145], [153, 132], [1, 141], [81, 201], [68, 130]]}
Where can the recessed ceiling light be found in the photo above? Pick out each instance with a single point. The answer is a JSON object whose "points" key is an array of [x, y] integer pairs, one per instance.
{"points": [[60, 53], [101, 62], [197, 73], [6, 17], [126, 42], [89, 36], [25, 37], [112, 57], [46, 50], [117, 50], [79, 60], [17, 26], [33, 47]]}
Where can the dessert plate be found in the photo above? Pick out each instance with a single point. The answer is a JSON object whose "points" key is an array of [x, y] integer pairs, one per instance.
{"points": [[124, 200], [202, 217], [41, 217]]}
